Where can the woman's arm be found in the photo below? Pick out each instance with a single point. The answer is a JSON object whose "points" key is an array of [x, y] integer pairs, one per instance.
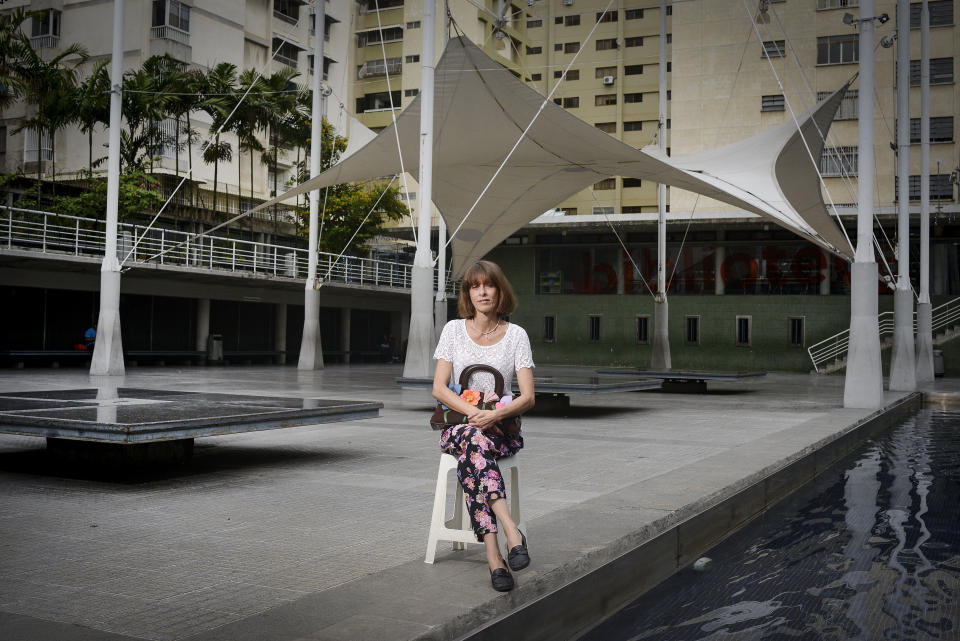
{"points": [[519, 405], [444, 394]]}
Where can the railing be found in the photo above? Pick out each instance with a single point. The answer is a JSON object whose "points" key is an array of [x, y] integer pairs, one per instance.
{"points": [[45, 42], [52, 234], [290, 62], [835, 347], [285, 17], [166, 32]]}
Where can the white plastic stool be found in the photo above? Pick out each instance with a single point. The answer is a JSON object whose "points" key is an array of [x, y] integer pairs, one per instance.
{"points": [[458, 529]]}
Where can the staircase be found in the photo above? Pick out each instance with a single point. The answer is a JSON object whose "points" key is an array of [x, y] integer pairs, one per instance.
{"points": [[830, 355]]}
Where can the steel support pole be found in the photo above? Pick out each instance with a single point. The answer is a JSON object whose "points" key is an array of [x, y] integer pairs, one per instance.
{"points": [[903, 359], [925, 373], [660, 352], [440, 303], [108, 350], [863, 384], [311, 350], [420, 339]]}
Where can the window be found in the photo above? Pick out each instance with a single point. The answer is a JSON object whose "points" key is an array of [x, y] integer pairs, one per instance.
{"points": [[609, 183], [287, 10], [773, 49], [410, 92], [848, 109], [670, 10], [558, 20], [633, 125], [839, 161], [772, 103], [571, 103], [691, 334], [605, 100], [603, 211], [571, 21], [608, 127], [573, 74], [414, 58], [632, 14], [642, 330], [413, 25], [536, 76], [600, 72], [635, 41], [605, 44], [532, 51], [743, 330], [940, 187], [173, 13], [534, 23], [594, 329], [941, 130], [632, 70], [377, 67], [3, 140], [941, 13], [326, 65], [837, 4], [796, 324], [631, 209], [632, 182], [941, 72], [285, 52], [571, 47], [632, 97], [47, 22], [549, 329], [838, 50], [391, 34], [558, 46], [377, 101], [609, 16]]}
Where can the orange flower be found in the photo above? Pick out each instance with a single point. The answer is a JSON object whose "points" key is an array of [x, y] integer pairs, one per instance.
{"points": [[471, 396]]}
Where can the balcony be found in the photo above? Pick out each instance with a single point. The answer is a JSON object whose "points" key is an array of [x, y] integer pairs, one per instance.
{"points": [[166, 32], [285, 17], [45, 42]]}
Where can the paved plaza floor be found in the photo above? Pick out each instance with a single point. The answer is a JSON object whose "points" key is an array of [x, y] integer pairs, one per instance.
{"points": [[319, 531]]}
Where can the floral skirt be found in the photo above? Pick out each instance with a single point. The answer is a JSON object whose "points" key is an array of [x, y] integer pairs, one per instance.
{"points": [[477, 469]]}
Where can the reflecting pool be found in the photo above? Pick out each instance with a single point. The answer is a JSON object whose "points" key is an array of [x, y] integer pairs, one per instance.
{"points": [[869, 550]]}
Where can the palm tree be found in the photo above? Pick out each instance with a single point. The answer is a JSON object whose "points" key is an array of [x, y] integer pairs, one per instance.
{"points": [[284, 113], [92, 101], [14, 48], [143, 104], [221, 81], [46, 83], [250, 118]]}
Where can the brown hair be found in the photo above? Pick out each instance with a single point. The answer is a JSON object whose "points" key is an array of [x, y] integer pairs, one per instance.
{"points": [[485, 271]]}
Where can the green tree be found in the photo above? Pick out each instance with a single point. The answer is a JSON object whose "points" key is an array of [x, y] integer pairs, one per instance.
{"points": [[221, 82], [348, 205], [14, 51], [92, 101], [250, 118]]}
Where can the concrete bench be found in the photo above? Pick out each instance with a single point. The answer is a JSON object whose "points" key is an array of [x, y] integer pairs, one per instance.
{"points": [[552, 392], [679, 380]]}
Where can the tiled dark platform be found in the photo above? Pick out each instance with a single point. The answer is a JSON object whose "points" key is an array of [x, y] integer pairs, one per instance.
{"points": [[564, 384], [137, 415]]}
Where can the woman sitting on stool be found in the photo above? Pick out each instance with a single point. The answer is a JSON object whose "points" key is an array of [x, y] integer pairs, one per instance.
{"points": [[482, 336]]}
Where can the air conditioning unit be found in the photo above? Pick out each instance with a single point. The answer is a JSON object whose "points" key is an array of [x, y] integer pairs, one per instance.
{"points": [[568, 2], [608, 80]]}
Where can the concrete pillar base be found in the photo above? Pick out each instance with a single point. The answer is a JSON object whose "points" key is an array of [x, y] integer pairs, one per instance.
{"points": [[863, 384], [418, 363], [925, 373], [311, 350], [660, 353], [903, 361], [108, 350]]}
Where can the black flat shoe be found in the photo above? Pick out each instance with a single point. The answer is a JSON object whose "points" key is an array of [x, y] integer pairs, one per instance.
{"points": [[501, 579], [518, 557]]}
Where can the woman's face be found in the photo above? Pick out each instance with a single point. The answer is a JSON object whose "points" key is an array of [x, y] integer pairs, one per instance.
{"points": [[484, 296]]}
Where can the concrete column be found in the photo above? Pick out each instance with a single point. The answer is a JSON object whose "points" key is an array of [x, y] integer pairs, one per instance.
{"points": [[825, 272], [280, 332], [925, 373], [203, 324], [345, 333], [903, 359], [719, 255]]}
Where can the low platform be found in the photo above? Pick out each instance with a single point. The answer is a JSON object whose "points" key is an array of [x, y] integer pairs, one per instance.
{"points": [[552, 392], [680, 380], [135, 415]]}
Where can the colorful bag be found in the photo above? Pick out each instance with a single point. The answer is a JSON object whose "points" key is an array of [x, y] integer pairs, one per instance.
{"points": [[443, 417]]}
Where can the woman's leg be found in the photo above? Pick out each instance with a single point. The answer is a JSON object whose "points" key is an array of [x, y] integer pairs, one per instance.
{"points": [[502, 514], [482, 483]]}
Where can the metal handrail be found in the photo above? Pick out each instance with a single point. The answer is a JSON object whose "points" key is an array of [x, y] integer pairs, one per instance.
{"points": [[835, 347], [63, 235]]}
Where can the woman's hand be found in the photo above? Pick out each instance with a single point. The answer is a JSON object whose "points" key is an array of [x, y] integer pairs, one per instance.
{"points": [[484, 419]]}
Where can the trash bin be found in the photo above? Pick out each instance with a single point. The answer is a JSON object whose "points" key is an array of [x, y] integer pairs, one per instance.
{"points": [[938, 362], [215, 348]]}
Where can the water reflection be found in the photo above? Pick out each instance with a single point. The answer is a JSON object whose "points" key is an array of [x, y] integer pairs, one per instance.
{"points": [[871, 550]]}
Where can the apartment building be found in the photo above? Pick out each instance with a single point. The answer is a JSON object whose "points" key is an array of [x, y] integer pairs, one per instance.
{"points": [[263, 35]]}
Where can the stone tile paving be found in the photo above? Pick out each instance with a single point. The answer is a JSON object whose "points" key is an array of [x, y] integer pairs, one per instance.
{"points": [[265, 519]]}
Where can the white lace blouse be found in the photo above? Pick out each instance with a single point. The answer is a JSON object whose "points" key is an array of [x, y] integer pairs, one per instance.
{"points": [[509, 354]]}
